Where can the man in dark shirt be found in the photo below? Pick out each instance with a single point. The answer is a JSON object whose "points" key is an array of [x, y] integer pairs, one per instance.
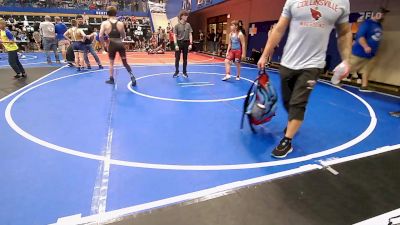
{"points": [[201, 40], [88, 30], [183, 39], [218, 40], [210, 40]]}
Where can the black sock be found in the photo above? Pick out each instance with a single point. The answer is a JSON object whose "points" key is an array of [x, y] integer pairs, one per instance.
{"points": [[287, 139]]}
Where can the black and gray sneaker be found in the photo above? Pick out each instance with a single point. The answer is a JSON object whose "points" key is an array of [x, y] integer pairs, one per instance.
{"points": [[101, 67], [133, 79], [23, 76], [185, 75], [283, 149], [110, 81], [17, 76], [176, 74], [395, 114]]}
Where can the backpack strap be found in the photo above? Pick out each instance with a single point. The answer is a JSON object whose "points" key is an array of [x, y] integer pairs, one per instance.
{"points": [[246, 103]]}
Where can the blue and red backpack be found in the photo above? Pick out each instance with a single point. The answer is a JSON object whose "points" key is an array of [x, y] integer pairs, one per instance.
{"points": [[261, 101]]}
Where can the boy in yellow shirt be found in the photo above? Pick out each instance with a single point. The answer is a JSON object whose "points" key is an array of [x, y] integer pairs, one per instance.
{"points": [[7, 40]]}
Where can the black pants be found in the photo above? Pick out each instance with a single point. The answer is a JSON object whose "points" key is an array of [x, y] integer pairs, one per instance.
{"points": [[201, 47], [184, 48], [297, 86], [14, 62]]}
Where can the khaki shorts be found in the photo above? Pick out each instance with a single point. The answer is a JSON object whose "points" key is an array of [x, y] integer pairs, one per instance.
{"points": [[63, 45], [359, 64]]}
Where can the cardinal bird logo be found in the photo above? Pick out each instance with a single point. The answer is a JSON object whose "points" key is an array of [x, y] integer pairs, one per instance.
{"points": [[315, 13]]}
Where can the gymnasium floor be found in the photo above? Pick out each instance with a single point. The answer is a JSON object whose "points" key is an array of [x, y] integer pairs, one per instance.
{"points": [[73, 145]]}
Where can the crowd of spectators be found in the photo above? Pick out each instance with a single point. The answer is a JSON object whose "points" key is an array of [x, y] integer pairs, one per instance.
{"points": [[139, 35], [122, 5]]}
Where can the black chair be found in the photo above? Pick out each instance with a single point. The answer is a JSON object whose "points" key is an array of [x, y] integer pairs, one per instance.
{"points": [[19, 18]]}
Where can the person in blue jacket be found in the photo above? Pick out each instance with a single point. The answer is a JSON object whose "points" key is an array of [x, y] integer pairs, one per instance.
{"points": [[366, 45]]}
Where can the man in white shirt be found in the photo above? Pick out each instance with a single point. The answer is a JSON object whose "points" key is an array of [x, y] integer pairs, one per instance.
{"points": [[49, 41], [303, 60]]}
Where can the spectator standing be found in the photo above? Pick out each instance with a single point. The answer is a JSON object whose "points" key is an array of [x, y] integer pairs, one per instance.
{"points": [[218, 40], [171, 40], [201, 40], [8, 41], [47, 30], [37, 38], [366, 46], [63, 44], [210, 39]]}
